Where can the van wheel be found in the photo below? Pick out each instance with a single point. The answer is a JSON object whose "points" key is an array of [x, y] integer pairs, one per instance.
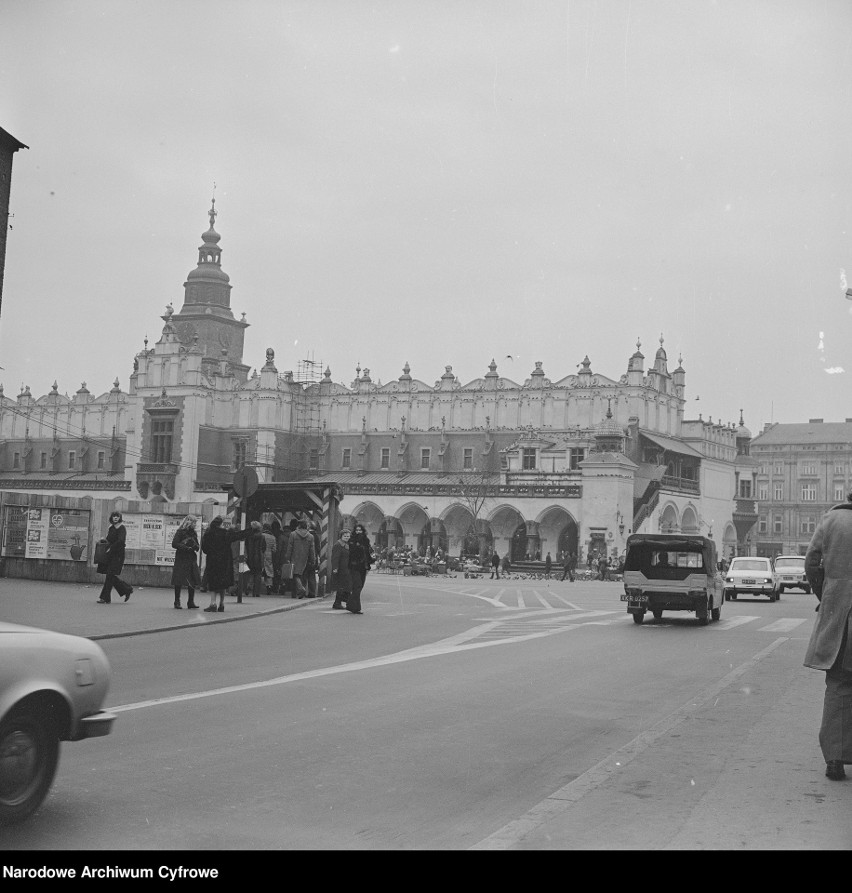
{"points": [[807, 590], [780, 590], [703, 616], [716, 613], [29, 753], [658, 613], [638, 616]]}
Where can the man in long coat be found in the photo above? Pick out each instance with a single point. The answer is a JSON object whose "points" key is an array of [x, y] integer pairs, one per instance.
{"points": [[301, 551], [830, 555]]}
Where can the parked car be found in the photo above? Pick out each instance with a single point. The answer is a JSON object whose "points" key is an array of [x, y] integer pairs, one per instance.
{"points": [[790, 572], [751, 576], [672, 572], [52, 689]]}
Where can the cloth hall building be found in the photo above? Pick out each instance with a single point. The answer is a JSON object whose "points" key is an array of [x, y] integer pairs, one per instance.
{"points": [[544, 465]]}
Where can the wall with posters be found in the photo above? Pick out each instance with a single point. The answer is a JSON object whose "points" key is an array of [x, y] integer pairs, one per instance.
{"points": [[47, 537]]}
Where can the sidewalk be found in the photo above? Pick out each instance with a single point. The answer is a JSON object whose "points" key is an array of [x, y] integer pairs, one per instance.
{"points": [[72, 608]]}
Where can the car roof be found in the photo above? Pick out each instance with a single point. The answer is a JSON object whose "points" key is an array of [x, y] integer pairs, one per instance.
{"points": [[799, 557], [751, 558]]}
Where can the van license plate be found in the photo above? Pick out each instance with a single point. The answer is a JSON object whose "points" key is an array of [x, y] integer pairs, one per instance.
{"points": [[749, 582], [640, 599]]}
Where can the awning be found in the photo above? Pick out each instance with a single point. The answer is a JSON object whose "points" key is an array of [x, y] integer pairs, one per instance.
{"points": [[672, 445]]}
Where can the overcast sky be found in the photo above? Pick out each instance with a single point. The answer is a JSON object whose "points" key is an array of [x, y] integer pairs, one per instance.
{"points": [[440, 183]]}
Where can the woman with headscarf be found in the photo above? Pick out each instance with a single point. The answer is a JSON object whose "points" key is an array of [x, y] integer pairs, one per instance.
{"points": [[113, 564], [216, 545], [185, 571]]}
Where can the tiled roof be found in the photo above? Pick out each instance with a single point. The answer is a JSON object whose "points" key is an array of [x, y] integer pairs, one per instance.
{"points": [[805, 432]]}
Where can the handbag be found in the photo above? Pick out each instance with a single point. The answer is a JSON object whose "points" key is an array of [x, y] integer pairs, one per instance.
{"points": [[287, 570], [101, 551]]}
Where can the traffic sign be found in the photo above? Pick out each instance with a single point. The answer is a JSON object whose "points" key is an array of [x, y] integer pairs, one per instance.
{"points": [[245, 481]]}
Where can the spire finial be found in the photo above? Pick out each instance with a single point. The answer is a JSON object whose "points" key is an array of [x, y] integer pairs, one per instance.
{"points": [[638, 344], [609, 407], [742, 421], [661, 339], [213, 212]]}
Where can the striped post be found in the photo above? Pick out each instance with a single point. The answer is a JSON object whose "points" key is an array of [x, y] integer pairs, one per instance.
{"points": [[323, 555]]}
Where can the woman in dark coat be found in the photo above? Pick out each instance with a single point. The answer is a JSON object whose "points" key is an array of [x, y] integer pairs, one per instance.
{"points": [[114, 562], [216, 545], [185, 571], [360, 559], [340, 580]]}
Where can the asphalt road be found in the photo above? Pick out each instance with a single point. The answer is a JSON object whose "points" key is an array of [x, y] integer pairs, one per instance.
{"points": [[453, 714]]}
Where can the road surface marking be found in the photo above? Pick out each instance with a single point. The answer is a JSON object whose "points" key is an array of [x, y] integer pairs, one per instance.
{"points": [[543, 600], [521, 602], [784, 625], [465, 641], [565, 601], [562, 800], [731, 622]]}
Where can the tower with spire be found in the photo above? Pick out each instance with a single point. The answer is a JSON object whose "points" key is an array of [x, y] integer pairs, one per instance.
{"points": [[206, 319]]}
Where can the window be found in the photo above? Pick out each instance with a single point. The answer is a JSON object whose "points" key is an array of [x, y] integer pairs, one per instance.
{"points": [[807, 524], [778, 523], [347, 458], [313, 459], [162, 431], [575, 457], [839, 492], [779, 468], [16, 460], [839, 469], [468, 458], [101, 457], [425, 456], [763, 491], [778, 492], [762, 524], [809, 469], [239, 459], [72, 460], [528, 458], [43, 460], [745, 489], [385, 457], [809, 492]]}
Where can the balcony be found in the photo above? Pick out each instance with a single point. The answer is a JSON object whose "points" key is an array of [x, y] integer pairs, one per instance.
{"points": [[684, 485]]}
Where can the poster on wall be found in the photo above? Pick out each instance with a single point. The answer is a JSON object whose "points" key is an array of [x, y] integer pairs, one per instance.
{"points": [[149, 539], [45, 532]]}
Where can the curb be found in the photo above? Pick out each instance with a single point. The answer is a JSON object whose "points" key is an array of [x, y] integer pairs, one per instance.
{"points": [[165, 629]]}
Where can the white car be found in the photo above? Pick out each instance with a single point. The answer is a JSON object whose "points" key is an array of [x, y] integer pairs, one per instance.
{"points": [[750, 576], [52, 689], [790, 571]]}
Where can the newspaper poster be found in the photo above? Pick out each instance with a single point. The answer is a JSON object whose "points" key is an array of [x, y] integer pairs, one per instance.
{"points": [[45, 532]]}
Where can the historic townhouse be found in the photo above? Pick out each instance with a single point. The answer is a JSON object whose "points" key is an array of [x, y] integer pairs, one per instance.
{"points": [[800, 471]]}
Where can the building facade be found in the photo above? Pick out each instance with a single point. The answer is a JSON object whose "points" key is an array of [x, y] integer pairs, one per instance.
{"points": [[800, 471], [544, 465]]}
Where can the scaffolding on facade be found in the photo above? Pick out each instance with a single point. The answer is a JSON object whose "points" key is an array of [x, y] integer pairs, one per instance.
{"points": [[304, 444]]}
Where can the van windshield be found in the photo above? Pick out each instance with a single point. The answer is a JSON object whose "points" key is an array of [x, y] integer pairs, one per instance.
{"points": [[798, 563]]}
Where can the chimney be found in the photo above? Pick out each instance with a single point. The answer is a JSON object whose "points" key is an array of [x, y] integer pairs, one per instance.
{"points": [[814, 421]]}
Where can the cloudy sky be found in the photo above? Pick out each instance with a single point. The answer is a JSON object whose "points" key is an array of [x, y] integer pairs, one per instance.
{"points": [[440, 183]]}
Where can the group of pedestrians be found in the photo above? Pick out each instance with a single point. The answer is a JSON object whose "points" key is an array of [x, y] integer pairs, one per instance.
{"points": [[271, 554]]}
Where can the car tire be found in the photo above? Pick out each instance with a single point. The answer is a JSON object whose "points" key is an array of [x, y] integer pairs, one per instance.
{"points": [[703, 615], [29, 755], [732, 596], [780, 590], [807, 590]]}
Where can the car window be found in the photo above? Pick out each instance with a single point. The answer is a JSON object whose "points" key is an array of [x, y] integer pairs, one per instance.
{"points": [[798, 563], [750, 564]]}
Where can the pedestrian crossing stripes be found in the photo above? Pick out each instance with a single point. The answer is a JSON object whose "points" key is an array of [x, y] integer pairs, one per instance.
{"points": [[784, 625]]}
